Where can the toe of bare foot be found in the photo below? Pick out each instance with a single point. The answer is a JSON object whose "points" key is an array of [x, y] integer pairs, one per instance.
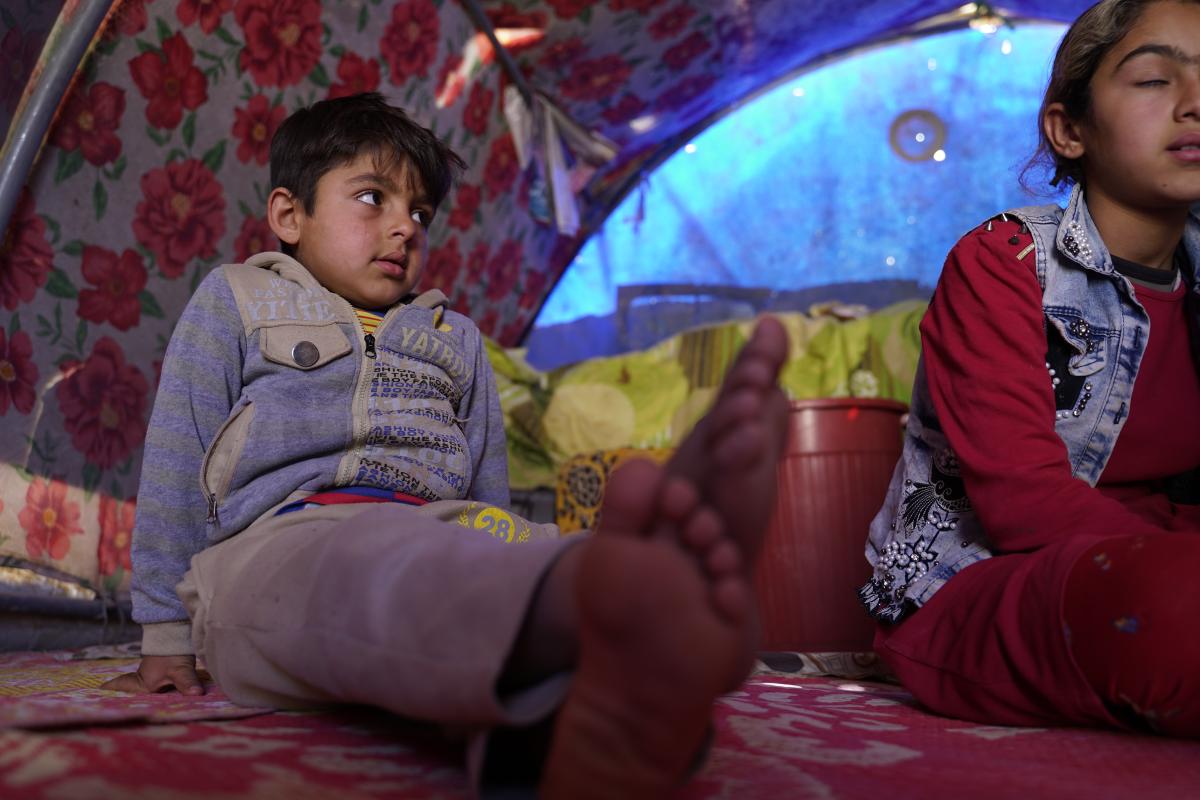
{"points": [[631, 499], [759, 361], [770, 339]]}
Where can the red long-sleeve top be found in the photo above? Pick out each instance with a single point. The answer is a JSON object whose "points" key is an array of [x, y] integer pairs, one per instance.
{"points": [[984, 349]]}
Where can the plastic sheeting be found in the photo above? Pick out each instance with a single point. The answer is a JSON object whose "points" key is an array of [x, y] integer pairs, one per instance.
{"points": [[858, 176]]}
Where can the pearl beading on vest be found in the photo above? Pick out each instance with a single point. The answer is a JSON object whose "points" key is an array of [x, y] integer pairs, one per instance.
{"points": [[1076, 243]]}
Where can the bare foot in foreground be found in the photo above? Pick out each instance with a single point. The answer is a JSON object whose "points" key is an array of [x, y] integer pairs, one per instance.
{"points": [[665, 602]]}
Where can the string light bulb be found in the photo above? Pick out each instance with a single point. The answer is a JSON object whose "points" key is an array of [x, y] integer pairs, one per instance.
{"points": [[984, 18]]}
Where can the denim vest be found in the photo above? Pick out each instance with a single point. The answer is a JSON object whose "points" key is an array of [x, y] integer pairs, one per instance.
{"points": [[927, 530]]}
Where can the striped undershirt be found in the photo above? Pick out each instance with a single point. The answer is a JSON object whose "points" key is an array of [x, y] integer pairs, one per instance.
{"points": [[369, 319]]}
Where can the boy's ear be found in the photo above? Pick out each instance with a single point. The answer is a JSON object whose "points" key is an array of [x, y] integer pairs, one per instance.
{"points": [[1064, 134], [285, 215]]}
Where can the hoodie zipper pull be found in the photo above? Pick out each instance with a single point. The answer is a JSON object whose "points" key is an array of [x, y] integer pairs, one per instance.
{"points": [[369, 341], [212, 508]]}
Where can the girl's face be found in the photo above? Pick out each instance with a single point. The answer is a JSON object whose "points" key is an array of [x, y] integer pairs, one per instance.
{"points": [[1141, 144]]}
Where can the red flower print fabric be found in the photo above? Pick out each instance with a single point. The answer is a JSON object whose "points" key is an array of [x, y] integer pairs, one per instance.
{"points": [[507, 16], [671, 21], [685, 91], [116, 534], [49, 519], [466, 206], [477, 259], [625, 110], [181, 216], [207, 12], [501, 168], [18, 373], [169, 81], [679, 56], [560, 54], [535, 283], [450, 83], [513, 330], [479, 107], [131, 17], [283, 39], [118, 281], [595, 78], [488, 323], [89, 123], [503, 268], [254, 126], [355, 75], [640, 6], [452, 62], [25, 255], [570, 9], [103, 403], [443, 267], [255, 236], [410, 41]]}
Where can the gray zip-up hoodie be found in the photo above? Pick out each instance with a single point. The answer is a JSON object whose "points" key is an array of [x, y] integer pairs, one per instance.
{"points": [[270, 391]]}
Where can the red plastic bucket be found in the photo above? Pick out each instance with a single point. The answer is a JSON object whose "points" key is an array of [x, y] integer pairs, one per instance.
{"points": [[833, 477]]}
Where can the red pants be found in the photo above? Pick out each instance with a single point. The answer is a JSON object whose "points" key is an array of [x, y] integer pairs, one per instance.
{"points": [[1084, 632], [1131, 608]]}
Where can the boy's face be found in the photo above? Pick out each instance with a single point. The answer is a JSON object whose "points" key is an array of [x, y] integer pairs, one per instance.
{"points": [[366, 237]]}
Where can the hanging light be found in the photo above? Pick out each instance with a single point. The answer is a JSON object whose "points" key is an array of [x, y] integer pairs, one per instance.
{"points": [[984, 18]]}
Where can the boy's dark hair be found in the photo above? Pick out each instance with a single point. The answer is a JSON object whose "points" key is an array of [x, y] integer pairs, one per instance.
{"points": [[1084, 46], [330, 133]]}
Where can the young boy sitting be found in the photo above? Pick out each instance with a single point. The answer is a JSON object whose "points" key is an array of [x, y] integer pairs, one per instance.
{"points": [[326, 459]]}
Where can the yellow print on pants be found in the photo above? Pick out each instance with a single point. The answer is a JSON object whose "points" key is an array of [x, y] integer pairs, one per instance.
{"points": [[496, 522]]}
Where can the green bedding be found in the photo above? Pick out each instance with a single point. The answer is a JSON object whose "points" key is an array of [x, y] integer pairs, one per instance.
{"points": [[652, 397]]}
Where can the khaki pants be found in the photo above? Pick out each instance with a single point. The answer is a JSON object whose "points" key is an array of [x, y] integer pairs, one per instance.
{"points": [[411, 609]]}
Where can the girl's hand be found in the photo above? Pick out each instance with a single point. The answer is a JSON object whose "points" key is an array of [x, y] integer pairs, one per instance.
{"points": [[160, 674]]}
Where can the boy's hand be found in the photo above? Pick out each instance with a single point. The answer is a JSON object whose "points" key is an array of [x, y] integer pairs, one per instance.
{"points": [[160, 674]]}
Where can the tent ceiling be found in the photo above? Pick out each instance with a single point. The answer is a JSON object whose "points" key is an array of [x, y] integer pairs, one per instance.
{"points": [[676, 65], [642, 73], [648, 73]]}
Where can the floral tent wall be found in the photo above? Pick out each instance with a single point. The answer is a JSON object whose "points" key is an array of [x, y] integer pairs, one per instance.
{"points": [[154, 171]]}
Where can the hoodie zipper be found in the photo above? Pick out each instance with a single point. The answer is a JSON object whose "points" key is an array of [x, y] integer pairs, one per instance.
{"points": [[366, 376]]}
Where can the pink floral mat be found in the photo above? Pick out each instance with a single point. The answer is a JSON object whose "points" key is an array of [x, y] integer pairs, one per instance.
{"points": [[60, 689], [781, 735]]}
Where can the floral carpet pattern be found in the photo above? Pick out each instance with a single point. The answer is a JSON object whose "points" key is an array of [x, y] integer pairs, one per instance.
{"points": [[784, 733], [41, 691]]}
